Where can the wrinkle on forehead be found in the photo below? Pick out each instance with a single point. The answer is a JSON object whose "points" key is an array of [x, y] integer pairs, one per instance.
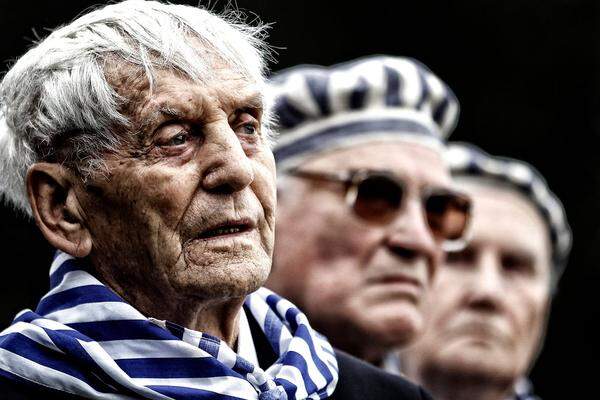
{"points": [[145, 104]]}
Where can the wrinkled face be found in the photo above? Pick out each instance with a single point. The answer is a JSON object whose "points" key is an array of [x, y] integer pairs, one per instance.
{"points": [[488, 303], [350, 276], [188, 207]]}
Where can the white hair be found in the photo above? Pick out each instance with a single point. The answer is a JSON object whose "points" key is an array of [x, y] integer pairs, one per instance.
{"points": [[57, 97]]}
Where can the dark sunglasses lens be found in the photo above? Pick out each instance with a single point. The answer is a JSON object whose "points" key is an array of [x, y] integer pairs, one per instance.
{"points": [[378, 198], [447, 215]]}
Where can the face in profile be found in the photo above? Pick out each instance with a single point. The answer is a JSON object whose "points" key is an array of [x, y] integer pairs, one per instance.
{"points": [[187, 210], [354, 274], [488, 304]]}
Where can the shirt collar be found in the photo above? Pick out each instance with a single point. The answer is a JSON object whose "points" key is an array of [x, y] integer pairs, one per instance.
{"points": [[245, 343]]}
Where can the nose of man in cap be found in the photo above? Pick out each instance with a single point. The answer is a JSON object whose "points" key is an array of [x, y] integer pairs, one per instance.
{"points": [[364, 197]]}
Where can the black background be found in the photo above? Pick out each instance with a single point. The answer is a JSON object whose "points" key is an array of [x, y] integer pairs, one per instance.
{"points": [[526, 74]]}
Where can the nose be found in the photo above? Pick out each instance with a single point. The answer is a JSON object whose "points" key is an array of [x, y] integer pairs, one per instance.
{"points": [[486, 291], [410, 238], [227, 168]]}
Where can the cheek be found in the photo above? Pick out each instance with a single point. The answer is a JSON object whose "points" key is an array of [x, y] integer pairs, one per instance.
{"points": [[530, 309], [319, 251], [170, 193], [338, 234], [331, 245], [338, 260], [138, 205], [443, 302], [332, 286], [315, 220], [265, 194], [265, 190], [335, 281], [156, 188]]}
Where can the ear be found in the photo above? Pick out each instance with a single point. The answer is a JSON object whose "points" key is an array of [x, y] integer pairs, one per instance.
{"points": [[56, 210]]}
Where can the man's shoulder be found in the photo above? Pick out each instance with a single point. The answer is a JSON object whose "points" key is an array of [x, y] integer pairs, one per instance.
{"points": [[360, 380]]}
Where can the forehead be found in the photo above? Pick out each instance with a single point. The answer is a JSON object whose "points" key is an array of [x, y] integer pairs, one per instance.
{"points": [[221, 87], [504, 217], [417, 163]]}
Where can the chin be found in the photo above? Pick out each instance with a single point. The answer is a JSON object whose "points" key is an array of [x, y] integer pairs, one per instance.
{"points": [[233, 278], [478, 360]]}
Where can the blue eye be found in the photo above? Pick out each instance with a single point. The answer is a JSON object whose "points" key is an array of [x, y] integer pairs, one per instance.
{"points": [[178, 139], [249, 129]]}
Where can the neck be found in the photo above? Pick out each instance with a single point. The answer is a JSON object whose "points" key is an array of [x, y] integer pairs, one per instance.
{"points": [[219, 318], [216, 317], [445, 385]]}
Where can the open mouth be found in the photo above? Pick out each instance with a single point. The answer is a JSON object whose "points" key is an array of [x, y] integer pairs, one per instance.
{"points": [[227, 229]]}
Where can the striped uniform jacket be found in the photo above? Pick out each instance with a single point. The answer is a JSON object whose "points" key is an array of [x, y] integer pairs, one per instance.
{"points": [[85, 340]]}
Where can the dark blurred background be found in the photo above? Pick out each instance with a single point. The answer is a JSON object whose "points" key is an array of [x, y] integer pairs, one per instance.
{"points": [[526, 74]]}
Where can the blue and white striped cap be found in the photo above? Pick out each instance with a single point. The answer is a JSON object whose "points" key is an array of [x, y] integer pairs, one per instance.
{"points": [[467, 160], [319, 108]]}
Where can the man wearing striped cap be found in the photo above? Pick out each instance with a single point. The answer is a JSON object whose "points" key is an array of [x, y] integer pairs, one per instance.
{"points": [[135, 137], [489, 304], [365, 198]]}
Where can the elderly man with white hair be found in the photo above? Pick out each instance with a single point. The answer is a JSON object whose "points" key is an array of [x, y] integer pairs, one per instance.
{"points": [[135, 137], [489, 304], [366, 202]]}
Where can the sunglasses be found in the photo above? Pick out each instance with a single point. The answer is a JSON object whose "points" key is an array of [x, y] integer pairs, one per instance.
{"points": [[378, 196]]}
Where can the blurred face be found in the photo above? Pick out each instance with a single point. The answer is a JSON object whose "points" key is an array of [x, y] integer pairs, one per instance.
{"points": [[187, 210], [353, 277], [488, 303]]}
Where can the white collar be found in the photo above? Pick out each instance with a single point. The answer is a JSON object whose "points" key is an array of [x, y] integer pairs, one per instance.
{"points": [[245, 343], [391, 363]]}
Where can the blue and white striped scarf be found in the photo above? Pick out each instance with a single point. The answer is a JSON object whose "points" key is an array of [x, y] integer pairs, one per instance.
{"points": [[86, 340]]}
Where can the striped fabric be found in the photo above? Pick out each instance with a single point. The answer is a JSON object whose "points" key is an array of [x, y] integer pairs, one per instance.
{"points": [[84, 339], [468, 160], [378, 97]]}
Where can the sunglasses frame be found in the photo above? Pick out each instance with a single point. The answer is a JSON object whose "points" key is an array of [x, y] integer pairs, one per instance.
{"points": [[353, 178]]}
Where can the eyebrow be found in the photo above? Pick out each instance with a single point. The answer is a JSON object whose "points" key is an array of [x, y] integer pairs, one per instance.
{"points": [[169, 112], [152, 118], [521, 253], [254, 100]]}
